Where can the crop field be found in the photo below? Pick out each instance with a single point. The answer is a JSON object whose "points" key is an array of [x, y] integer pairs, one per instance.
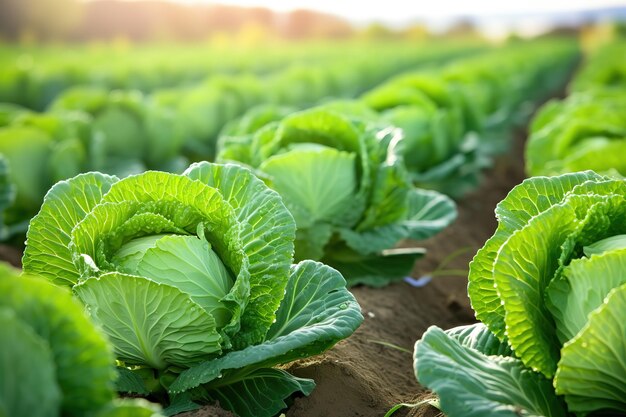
{"points": [[321, 228]]}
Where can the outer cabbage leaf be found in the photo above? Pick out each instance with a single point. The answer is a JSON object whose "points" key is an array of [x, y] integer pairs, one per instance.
{"points": [[258, 394], [428, 213], [477, 336], [317, 311], [48, 251], [591, 372], [130, 382], [525, 201], [150, 323], [473, 384], [82, 360], [28, 386]]}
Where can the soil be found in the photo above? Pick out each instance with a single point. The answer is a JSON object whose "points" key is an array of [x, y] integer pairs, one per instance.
{"points": [[11, 255]]}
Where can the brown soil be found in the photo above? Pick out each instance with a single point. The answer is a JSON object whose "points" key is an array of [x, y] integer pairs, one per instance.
{"points": [[363, 376], [11, 255]]}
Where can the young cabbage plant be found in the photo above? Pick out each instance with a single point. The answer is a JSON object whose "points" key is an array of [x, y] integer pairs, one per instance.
{"points": [[550, 288], [352, 201], [53, 360], [191, 277]]}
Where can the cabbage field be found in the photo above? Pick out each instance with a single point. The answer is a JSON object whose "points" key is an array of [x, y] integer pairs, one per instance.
{"points": [[309, 231]]}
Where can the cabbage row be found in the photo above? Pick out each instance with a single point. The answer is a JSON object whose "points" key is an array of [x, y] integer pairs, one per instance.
{"points": [[456, 118], [550, 290], [346, 172], [125, 132], [587, 130], [34, 76]]}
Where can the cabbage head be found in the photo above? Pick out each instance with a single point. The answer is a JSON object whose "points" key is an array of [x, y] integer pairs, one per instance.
{"points": [[352, 200], [53, 360], [191, 278], [550, 289]]}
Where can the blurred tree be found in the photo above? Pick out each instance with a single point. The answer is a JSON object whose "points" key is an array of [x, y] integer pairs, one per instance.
{"points": [[301, 24], [44, 19], [154, 20]]}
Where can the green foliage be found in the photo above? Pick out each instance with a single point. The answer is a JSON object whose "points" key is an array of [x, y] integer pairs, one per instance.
{"points": [[456, 118], [53, 361], [191, 278], [351, 199], [549, 287], [587, 130], [484, 385], [114, 109]]}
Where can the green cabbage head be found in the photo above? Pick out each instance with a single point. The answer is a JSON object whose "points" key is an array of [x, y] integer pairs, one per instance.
{"points": [[53, 360], [550, 288], [191, 277]]}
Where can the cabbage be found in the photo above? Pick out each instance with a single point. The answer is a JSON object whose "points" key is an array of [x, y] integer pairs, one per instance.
{"points": [[352, 201], [550, 288], [53, 361], [191, 278]]}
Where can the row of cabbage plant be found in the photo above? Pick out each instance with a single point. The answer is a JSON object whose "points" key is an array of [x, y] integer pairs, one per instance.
{"points": [[125, 132], [550, 285], [345, 171], [455, 119], [32, 76], [586, 130]]}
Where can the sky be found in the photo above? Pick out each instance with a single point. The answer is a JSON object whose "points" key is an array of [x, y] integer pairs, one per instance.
{"points": [[403, 11]]}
